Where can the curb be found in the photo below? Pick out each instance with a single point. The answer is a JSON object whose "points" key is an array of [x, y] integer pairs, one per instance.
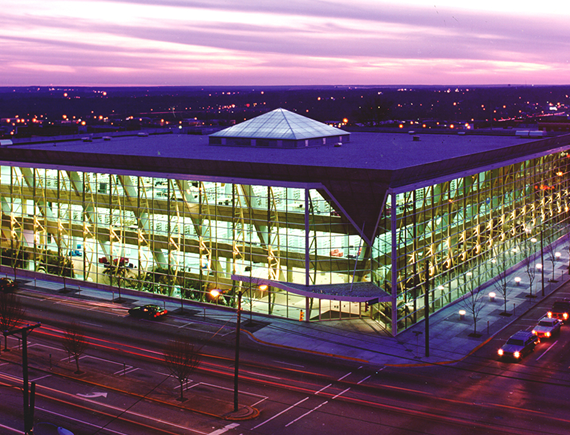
{"points": [[314, 352], [245, 413]]}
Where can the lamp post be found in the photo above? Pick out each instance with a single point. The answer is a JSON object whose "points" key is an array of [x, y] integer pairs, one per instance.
{"points": [[236, 363], [215, 293]]}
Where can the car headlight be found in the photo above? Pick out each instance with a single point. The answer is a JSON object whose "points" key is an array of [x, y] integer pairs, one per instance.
{"points": [[565, 315], [517, 354], [500, 352], [549, 314], [547, 334], [533, 332]]}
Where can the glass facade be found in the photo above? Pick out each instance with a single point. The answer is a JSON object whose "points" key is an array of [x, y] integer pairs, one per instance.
{"points": [[180, 238], [183, 238], [461, 233]]}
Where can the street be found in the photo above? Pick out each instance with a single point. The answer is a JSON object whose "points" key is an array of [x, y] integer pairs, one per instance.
{"points": [[126, 389]]}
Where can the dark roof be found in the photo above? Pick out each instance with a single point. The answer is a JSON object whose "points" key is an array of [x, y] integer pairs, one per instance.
{"points": [[356, 176]]}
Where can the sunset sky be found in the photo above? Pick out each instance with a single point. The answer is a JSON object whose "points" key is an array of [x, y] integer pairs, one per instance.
{"points": [[293, 42]]}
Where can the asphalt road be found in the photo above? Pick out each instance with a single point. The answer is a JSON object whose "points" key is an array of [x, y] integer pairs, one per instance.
{"points": [[294, 392]]}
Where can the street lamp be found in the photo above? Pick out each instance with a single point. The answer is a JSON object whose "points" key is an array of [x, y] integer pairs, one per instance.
{"points": [[236, 362], [238, 332]]}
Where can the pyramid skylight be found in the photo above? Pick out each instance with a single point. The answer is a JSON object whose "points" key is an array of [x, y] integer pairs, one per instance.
{"points": [[279, 128]]}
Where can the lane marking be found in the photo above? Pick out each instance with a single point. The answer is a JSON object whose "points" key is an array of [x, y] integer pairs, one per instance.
{"points": [[126, 372], [341, 393], [549, 347], [92, 324], [306, 413], [81, 421], [18, 431], [322, 389], [92, 395], [348, 374], [360, 382], [184, 385], [282, 412], [125, 412], [224, 429], [42, 377]]}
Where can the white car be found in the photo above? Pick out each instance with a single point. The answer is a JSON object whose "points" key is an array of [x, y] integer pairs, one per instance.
{"points": [[547, 327]]}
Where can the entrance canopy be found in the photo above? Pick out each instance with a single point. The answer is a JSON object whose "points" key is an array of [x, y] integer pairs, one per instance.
{"points": [[355, 292]]}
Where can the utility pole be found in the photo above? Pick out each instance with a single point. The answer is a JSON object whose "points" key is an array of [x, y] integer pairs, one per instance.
{"points": [[426, 307], [542, 259], [28, 403]]}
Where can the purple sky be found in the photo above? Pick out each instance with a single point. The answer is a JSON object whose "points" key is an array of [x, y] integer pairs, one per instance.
{"points": [[276, 42]]}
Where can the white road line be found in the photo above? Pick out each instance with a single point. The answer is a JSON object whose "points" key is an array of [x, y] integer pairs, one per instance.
{"points": [[348, 374], [322, 389], [185, 429], [549, 347], [126, 372], [11, 429], [282, 412], [224, 429], [306, 413], [341, 393], [253, 405], [92, 324], [81, 421], [59, 349], [289, 364], [43, 377], [185, 385], [360, 382]]}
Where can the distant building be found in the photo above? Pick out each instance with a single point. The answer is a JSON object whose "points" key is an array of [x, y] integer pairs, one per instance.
{"points": [[307, 224]]}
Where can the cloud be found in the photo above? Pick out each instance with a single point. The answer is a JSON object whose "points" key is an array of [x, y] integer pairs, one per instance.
{"points": [[364, 41]]}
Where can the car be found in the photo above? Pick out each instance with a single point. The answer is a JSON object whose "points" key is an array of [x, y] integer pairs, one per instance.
{"points": [[148, 311], [518, 345], [8, 285], [547, 327], [560, 310]]}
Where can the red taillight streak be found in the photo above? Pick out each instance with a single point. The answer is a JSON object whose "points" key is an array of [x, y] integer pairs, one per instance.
{"points": [[90, 409]]}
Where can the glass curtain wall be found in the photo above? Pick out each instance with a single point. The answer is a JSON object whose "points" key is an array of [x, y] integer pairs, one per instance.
{"points": [[463, 232], [180, 238]]}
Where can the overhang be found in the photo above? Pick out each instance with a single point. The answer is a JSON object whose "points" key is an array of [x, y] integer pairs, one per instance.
{"points": [[365, 292]]}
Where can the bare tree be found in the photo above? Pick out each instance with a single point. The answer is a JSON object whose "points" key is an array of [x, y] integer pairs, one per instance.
{"points": [[181, 358], [473, 303], [550, 251], [501, 281], [74, 343], [528, 263], [11, 313]]}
